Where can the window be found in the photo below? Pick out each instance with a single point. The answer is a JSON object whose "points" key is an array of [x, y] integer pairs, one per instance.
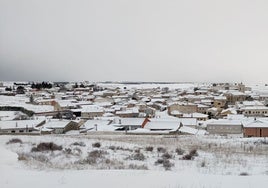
{"points": [[21, 131]]}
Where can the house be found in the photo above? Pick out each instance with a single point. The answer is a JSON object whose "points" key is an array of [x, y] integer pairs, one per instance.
{"points": [[220, 101], [96, 125], [201, 108], [228, 111], [255, 111], [128, 113], [224, 127], [128, 123], [91, 111], [255, 128], [198, 116], [165, 126], [21, 126], [182, 107], [234, 96], [59, 126]]}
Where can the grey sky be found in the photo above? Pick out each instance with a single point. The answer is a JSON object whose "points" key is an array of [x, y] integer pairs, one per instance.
{"points": [[134, 40]]}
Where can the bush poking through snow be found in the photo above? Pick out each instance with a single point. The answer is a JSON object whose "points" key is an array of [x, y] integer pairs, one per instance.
{"points": [[82, 144], [166, 156], [114, 148], [203, 164], [137, 156], [149, 148], [14, 141], [187, 157], [68, 151], [46, 146], [165, 162], [161, 150], [159, 161], [93, 157], [96, 145], [137, 167], [193, 153], [243, 174], [179, 151]]}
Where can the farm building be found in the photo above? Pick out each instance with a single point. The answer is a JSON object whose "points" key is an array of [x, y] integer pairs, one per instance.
{"points": [[256, 128]]}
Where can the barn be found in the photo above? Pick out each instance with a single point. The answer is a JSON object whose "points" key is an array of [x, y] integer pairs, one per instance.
{"points": [[255, 128]]}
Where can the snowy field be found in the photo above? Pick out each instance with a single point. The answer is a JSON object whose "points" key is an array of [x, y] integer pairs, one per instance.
{"points": [[118, 160], [21, 101]]}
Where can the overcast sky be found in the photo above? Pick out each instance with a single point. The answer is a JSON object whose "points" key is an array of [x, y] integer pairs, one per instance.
{"points": [[134, 40]]}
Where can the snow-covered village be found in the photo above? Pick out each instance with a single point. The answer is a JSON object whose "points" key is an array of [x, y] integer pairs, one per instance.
{"points": [[133, 94], [176, 131]]}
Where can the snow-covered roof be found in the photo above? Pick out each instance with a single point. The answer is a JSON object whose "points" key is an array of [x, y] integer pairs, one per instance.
{"points": [[252, 103], [224, 122], [19, 124], [162, 125], [128, 121], [195, 115], [128, 111], [255, 108], [189, 130], [102, 125], [256, 123], [55, 123], [91, 108]]}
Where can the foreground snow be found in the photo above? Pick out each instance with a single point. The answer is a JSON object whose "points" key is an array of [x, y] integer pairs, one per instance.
{"points": [[15, 173]]}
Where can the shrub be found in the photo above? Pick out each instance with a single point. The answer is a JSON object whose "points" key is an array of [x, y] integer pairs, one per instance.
{"points": [[161, 150], [46, 146], [243, 174], [149, 148], [159, 161], [68, 151], [120, 148], [82, 144], [179, 151], [191, 155], [187, 157], [14, 141], [167, 164], [193, 152], [137, 156], [94, 156], [96, 145], [166, 156], [137, 167]]}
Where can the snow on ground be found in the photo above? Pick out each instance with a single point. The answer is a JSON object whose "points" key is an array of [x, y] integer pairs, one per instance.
{"points": [[21, 101], [225, 158]]}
